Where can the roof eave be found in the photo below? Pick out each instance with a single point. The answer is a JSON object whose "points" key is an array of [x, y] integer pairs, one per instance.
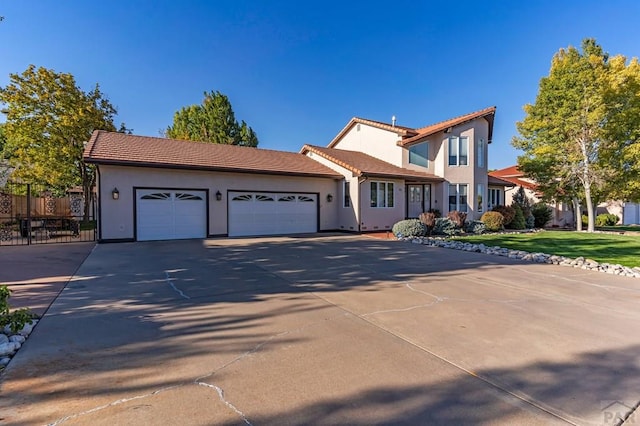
{"points": [[90, 160]]}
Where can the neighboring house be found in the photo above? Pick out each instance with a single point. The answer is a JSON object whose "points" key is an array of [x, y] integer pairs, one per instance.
{"points": [[563, 215], [370, 176]]}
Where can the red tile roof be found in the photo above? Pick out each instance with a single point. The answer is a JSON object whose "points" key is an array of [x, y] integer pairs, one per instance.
{"points": [[410, 135], [362, 164], [513, 175], [400, 130], [130, 150], [432, 129]]}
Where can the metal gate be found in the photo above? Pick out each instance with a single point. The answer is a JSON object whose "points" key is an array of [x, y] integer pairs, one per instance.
{"points": [[33, 214]]}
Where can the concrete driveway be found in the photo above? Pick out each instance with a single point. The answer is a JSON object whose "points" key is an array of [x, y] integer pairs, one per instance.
{"points": [[327, 330]]}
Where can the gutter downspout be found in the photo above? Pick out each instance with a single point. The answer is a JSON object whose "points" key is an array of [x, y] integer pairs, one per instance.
{"points": [[361, 180]]}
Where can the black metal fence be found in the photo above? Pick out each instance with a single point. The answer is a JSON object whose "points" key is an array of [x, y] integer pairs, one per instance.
{"points": [[32, 214]]}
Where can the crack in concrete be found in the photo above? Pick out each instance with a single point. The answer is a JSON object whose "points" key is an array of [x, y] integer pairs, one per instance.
{"points": [[176, 289], [220, 392], [198, 381], [112, 404], [440, 299]]}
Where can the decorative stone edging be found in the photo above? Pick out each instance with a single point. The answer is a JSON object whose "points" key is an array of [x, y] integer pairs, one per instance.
{"points": [[11, 342], [579, 262]]}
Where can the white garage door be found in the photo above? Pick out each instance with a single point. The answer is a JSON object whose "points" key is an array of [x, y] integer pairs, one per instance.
{"points": [[261, 213], [163, 214]]}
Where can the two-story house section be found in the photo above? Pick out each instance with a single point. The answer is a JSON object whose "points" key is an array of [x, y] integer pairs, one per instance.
{"points": [[394, 172]]}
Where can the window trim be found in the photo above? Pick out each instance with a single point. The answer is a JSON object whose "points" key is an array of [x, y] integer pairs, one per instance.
{"points": [[426, 157], [458, 148], [458, 197], [346, 194], [388, 194], [490, 198]]}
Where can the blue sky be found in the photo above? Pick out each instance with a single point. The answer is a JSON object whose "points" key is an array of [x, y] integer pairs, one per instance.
{"points": [[297, 71]]}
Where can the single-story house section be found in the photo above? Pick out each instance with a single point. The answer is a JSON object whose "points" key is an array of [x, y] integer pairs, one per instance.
{"points": [[159, 189]]}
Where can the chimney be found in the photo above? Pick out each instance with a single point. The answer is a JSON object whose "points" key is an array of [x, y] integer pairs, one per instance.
{"points": [[393, 121]]}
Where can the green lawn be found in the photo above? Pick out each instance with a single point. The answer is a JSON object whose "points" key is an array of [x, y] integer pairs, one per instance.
{"points": [[621, 249]]}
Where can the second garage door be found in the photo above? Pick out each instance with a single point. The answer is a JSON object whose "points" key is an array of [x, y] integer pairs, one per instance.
{"points": [[260, 213]]}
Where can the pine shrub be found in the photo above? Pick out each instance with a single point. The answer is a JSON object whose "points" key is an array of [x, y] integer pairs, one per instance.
{"points": [[518, 221], [542, 215]]}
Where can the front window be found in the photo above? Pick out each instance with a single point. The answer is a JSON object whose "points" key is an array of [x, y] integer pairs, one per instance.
{"points": [[381, 194], [458, 151], [480, 198], [419, 154], [458, 197], [481, 153], [347, 194], [495, 197]]}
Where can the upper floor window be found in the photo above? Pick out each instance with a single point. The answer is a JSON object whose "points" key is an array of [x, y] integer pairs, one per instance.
{"points": [[381, 194], [458, 151], [458, 194], [419, 154], [347, 194], [481, 147]]}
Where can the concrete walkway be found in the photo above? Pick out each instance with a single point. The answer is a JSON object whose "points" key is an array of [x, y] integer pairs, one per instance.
{"points": [[36, 274], [327, 330]]}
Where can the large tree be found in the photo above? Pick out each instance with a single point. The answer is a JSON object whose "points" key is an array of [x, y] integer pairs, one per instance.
{"points": [[568, 135], [213, 121], [48, 121]]}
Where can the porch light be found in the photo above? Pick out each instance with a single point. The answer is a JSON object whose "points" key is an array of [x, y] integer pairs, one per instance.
{"points": [[218, 195], [329, 198], [115, 194]]}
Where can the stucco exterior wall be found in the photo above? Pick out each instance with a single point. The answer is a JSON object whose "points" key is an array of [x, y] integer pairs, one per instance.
{"points": [[381, 218], [117, 216], [376, 142], [348, 217], [471, 174]]}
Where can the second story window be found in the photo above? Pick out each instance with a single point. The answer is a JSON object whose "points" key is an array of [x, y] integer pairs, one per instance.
{"points": [[419, 154], [458, 151], [480, 153]]}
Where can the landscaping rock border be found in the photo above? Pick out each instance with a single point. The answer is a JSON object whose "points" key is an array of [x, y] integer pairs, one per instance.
{"points": [[579, 262], [11, 342]]}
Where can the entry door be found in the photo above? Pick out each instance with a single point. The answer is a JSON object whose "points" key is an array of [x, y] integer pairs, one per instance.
{"points": [[415, 204], [419, 199]]}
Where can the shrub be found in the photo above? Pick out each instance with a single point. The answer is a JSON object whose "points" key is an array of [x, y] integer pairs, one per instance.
{"points": [[493, 221], [429, 219], [518, 221], [585, 220], [475, 227], [530, 222], [445, 226], [520, 198], [435, 212], [606, 219], [409, 228], [542, 215], [458, 218], [14, 319], [507, 212]]}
